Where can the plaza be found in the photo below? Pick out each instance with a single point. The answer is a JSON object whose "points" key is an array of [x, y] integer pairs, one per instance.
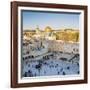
{"points": [[65, 64]]}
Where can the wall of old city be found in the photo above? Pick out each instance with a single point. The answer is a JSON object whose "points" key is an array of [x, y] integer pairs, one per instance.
{"points": [[61, 46]]}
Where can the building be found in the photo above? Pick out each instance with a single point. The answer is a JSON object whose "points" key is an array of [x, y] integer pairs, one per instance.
{"points": [[68, 35], [49, 33], [27, 34]]}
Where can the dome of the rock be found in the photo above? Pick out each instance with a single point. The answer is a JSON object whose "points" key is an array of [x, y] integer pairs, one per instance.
{"points": [[48, 29]]}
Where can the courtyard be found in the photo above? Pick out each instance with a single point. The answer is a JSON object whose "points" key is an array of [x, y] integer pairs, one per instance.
{"points": [[56, 63]]}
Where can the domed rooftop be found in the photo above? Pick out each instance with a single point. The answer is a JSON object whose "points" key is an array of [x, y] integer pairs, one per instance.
{"points": [[48, 29]]}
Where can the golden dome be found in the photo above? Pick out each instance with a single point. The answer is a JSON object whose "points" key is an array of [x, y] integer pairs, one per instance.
{"points": [[48, 29]]}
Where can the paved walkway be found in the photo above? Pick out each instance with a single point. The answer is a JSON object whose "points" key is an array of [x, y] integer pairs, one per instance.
{"points": [[41, 56]]}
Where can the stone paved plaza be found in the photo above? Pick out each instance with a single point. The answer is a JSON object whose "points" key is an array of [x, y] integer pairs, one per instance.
{"points": [[54, 64]]}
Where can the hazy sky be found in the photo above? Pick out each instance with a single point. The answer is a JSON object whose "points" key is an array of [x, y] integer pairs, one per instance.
{"points": [[54, 20]]}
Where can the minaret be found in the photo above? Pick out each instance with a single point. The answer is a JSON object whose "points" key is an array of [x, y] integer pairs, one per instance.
{"points": [[37, 30]]}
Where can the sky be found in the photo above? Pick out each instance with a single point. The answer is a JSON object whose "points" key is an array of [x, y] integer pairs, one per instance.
{"points": [[32, 19]]}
